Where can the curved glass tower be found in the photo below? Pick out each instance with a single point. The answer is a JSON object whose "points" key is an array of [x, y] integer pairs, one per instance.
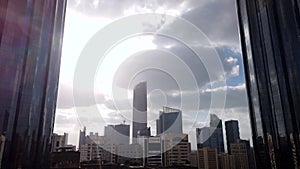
{"points": [[270, 37], [31, 34]]}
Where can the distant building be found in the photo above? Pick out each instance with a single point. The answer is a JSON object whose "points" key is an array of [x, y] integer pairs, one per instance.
{"points": [[207, 158], [118, 134], [152, 150], [193, 159], [139, 112], [176, 148], [239, 151], [130, 154], [211, 136], [226, 161], [98, 148], [170, 121], [82, 137], [232, 132], [58, 141], [64, 160], [145, 132]]}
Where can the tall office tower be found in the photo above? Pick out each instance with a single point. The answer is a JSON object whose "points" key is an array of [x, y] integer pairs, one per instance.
{"points": [[118, 134], [270, 37], [170, 121], [139, 113], [211, 136], [31, 33], [232, 132]]}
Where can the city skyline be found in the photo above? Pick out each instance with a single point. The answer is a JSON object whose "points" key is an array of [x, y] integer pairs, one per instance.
{"points": [[144, 51]]}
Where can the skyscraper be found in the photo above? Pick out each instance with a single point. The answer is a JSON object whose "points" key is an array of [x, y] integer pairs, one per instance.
{"points": [[232, 132], [139, 113], [270, 37], [211, 136], [170, 121], [30, 48]]}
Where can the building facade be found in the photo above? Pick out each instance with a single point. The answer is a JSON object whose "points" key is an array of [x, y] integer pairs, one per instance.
{"points": [[240, 153], [98, 148], [31, 35], [118, 134], [207, 158], [58, 141], [176, 149], [170, 121], [232, 132], [139, 112], [211, 136], [226, 161], [270, 40]]}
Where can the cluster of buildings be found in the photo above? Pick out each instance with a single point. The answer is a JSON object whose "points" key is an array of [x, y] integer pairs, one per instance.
{"points": [[210, 147], [169, 147]]}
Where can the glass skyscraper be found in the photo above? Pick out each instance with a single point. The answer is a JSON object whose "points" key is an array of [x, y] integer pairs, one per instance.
{"points": [[232, 132], [139, 113], [31, 34], [170, 121], [270, 37], [211, 136]]}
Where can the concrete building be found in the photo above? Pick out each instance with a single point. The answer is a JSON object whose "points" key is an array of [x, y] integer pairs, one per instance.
{"points": [[152, 150], [226, 161], [176, 148], [207, 158], [65, 160], [58, 141], [239, 151], [193, 159], [98, 148], [130, 154], [118, 134], [170, 121], [139, 112]]}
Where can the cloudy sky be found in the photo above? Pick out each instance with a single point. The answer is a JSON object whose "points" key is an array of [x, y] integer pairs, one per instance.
{"points": [[187, 51]]}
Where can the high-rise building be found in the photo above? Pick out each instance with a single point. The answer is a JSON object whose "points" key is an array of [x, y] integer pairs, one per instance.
{"points": [[211, 136], [232, 132], [58, 141], [31, 35], [118, 134], [139, 113], [270, 37], [207, 158], [170, 121]]}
